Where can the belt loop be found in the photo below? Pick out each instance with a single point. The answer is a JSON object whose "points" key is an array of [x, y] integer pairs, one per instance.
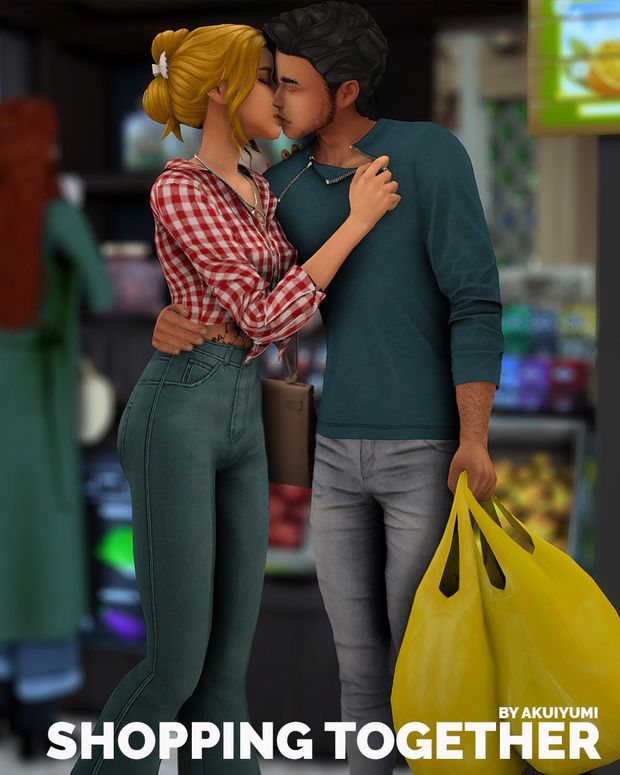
{"points": [[228, 355]]}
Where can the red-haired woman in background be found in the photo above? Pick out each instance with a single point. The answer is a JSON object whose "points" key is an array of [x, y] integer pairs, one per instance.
{"points": [[48, 260]]}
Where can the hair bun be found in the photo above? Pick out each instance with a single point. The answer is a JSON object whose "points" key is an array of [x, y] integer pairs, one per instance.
{"points": [[167, 41]]}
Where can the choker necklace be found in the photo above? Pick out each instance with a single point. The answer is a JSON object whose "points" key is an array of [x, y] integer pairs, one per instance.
{"points": [[254, 208]]}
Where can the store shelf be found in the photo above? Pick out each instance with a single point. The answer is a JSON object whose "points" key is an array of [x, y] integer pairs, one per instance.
{"points": [[543, 429]]}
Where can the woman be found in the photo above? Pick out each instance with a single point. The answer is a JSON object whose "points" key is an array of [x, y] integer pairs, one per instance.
{"points": [[191, 439], [49, 263]]}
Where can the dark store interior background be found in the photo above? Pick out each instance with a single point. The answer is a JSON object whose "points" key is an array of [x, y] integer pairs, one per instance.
{"points": [[549, 202]]}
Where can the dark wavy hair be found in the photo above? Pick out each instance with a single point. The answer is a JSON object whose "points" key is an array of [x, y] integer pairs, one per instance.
{"points": [[340, 40]]}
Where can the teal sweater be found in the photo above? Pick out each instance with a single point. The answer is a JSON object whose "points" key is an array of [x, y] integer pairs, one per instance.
{"points": [[415, 309]]}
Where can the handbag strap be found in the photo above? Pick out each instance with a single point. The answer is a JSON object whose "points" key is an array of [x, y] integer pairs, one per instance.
{"points": [[292, 375]]}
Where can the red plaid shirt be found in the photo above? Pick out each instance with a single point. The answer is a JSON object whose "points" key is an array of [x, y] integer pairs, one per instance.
{"points": [[220, 263]]}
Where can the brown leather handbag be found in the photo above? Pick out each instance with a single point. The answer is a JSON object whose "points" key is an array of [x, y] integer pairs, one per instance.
{"points": [[289, 418]]}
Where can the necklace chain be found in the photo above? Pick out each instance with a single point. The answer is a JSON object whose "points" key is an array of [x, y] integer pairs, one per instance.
{"points": [[253, 207], [259, 215]]}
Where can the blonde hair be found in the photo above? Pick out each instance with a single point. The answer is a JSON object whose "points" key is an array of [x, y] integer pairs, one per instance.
{"points": [[197, 62]]}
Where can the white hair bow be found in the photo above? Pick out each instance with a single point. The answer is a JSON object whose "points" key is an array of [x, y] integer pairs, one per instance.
{"points": [[162, 67]]}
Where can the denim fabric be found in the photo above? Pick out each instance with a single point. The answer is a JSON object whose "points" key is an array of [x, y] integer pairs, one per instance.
{"points": [[379, 509], [191, 443]]}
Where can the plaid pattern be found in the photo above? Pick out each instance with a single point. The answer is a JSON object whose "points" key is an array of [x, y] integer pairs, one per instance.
{"points": [[221, 265]]}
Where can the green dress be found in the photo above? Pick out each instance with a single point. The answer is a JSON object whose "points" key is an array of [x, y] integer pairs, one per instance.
{"points": [[43, 550]]}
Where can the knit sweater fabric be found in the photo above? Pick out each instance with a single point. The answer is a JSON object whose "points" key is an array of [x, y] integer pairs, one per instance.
{"points": [[415, 308]]}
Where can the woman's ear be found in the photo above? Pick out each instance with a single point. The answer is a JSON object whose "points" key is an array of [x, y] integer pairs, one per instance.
{"points": [[218, 93]]}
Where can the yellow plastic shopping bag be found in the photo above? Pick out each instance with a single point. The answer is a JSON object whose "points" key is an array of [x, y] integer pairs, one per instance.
{"points": [[554, 635], [445, 671]]}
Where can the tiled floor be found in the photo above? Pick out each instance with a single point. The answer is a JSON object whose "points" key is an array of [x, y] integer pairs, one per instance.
{"points": [[10, 764]]}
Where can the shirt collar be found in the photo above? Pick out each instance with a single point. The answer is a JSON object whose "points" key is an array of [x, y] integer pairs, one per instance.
{"points": [[268, 200]]}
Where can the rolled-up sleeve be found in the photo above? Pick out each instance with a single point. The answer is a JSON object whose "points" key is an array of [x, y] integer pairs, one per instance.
{"points": [[459, 247], [183, 209]]}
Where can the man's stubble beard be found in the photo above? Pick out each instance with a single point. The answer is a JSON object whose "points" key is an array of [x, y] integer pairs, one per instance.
{"points": [[324, 119], [328, 114]]}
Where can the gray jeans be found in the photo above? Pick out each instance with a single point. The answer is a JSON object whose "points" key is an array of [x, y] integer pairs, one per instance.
{"points": [[379, 509]]}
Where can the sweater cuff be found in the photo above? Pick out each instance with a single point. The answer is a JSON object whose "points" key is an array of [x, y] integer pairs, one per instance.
{"points": [[476, 367]]}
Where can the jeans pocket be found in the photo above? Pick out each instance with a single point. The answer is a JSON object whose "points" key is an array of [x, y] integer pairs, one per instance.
{"points": [[197, 371]]}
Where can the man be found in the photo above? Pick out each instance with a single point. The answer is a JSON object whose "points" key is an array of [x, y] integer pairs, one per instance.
{"points": [[414, 342]]}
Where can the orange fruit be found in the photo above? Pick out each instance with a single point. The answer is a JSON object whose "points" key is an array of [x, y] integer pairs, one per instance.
{"points": [[604, 72]]}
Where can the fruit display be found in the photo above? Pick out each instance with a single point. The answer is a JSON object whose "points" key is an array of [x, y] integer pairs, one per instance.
{"points": [[289, 510], [539, 492]]}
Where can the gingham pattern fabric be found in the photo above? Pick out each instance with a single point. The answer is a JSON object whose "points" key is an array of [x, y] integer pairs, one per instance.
{"points": [[220, 263]]}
